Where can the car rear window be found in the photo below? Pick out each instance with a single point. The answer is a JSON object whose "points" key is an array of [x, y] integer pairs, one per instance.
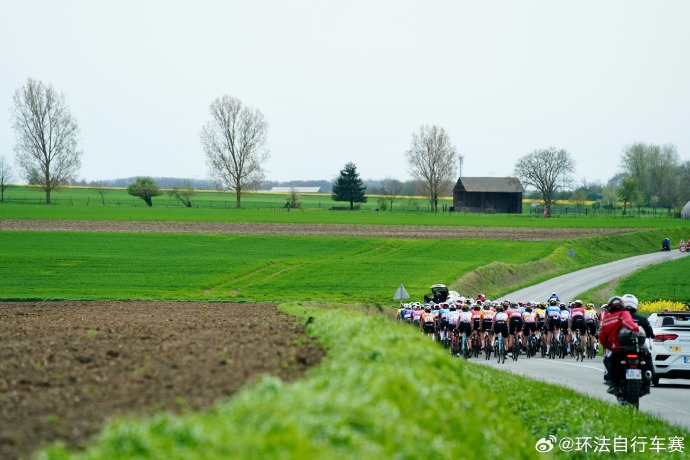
{"points": [[673, 320]]}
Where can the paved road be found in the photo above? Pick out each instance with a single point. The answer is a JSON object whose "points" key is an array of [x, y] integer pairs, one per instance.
{"points": [[573, 284], [670, 401]]}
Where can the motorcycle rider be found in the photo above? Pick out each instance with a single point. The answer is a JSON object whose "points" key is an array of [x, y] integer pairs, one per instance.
{"points": [[616, 319], [631, 303]]}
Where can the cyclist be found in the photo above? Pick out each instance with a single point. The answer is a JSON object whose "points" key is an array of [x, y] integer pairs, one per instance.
{"points": [[577, 321], [515, 323], [565, 319], [592, 320], [541, 320], [442, 318], [487, 322], [529, 318], [476, 313], [553, 322], [465, 323], [500, 324], [416, 315], [428, 322]]}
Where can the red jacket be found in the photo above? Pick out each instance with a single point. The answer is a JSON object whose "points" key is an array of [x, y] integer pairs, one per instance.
{"points": [[612, 324]]}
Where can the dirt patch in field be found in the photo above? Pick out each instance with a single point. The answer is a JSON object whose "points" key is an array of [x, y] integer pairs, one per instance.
{"points": [[378, 231], [66, 367]]}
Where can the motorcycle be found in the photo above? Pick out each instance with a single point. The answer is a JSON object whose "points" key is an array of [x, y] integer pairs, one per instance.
{"points": [[634, 376]]}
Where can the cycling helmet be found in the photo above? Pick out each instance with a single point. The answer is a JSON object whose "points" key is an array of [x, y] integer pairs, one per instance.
{"points": [[630, 302], [427, 309], [578, 302], [615, 304], [553, 302]]}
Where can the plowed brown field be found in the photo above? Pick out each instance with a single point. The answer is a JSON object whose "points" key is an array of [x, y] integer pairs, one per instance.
{"points": [[379, 231], [66, 367]]}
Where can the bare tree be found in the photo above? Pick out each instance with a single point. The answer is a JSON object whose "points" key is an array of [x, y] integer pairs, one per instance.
{"points": [[46, 149], [548, 171], [432, 159], [6, 177], [183, 193], [234, 141], [102, 190], [293, 199], [391, 189]]}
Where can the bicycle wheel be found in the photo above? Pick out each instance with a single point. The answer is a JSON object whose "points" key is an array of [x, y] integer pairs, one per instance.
{"points": [[497, 351], [465, 348]]}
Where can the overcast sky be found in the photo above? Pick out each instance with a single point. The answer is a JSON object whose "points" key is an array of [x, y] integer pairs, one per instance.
{"points": [[342, 81]]}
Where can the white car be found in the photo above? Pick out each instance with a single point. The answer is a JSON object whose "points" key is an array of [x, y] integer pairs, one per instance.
{"points": [[671, 345]]}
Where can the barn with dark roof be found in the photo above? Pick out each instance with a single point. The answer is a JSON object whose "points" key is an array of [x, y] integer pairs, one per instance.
{"points": [[488, 194]]}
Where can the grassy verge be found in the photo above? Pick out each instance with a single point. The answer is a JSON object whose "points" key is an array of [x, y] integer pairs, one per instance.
{"points": [[384, 391]]}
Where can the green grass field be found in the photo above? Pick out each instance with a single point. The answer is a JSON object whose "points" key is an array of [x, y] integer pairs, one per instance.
{"points": [[382, 387], [238, 268]]}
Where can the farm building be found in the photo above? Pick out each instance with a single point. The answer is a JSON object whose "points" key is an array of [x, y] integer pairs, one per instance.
{"points": [[685, 213], [488, 194], [297, 189]]}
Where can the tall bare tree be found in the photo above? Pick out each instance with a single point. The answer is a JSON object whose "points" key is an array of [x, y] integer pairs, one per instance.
{"points": [[47, 135], [548, 170], [234, 140], [6, 177], [432, 159]]}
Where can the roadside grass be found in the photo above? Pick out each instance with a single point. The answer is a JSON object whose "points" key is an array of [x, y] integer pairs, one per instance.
{"points": [[251, 268], [383, 391], [667, 281]]}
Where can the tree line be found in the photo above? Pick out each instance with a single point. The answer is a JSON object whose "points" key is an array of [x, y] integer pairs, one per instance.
{"points": [[234, 142]]}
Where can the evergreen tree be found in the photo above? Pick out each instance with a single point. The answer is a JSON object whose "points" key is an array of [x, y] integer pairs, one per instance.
{"points": [[349, 186]]}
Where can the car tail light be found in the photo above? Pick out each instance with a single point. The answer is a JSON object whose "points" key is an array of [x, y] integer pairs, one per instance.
{"points": [[664, 337]]}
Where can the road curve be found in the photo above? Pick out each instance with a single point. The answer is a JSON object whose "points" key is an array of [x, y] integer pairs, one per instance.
{"points": [[669, 401], [571, 285]]}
